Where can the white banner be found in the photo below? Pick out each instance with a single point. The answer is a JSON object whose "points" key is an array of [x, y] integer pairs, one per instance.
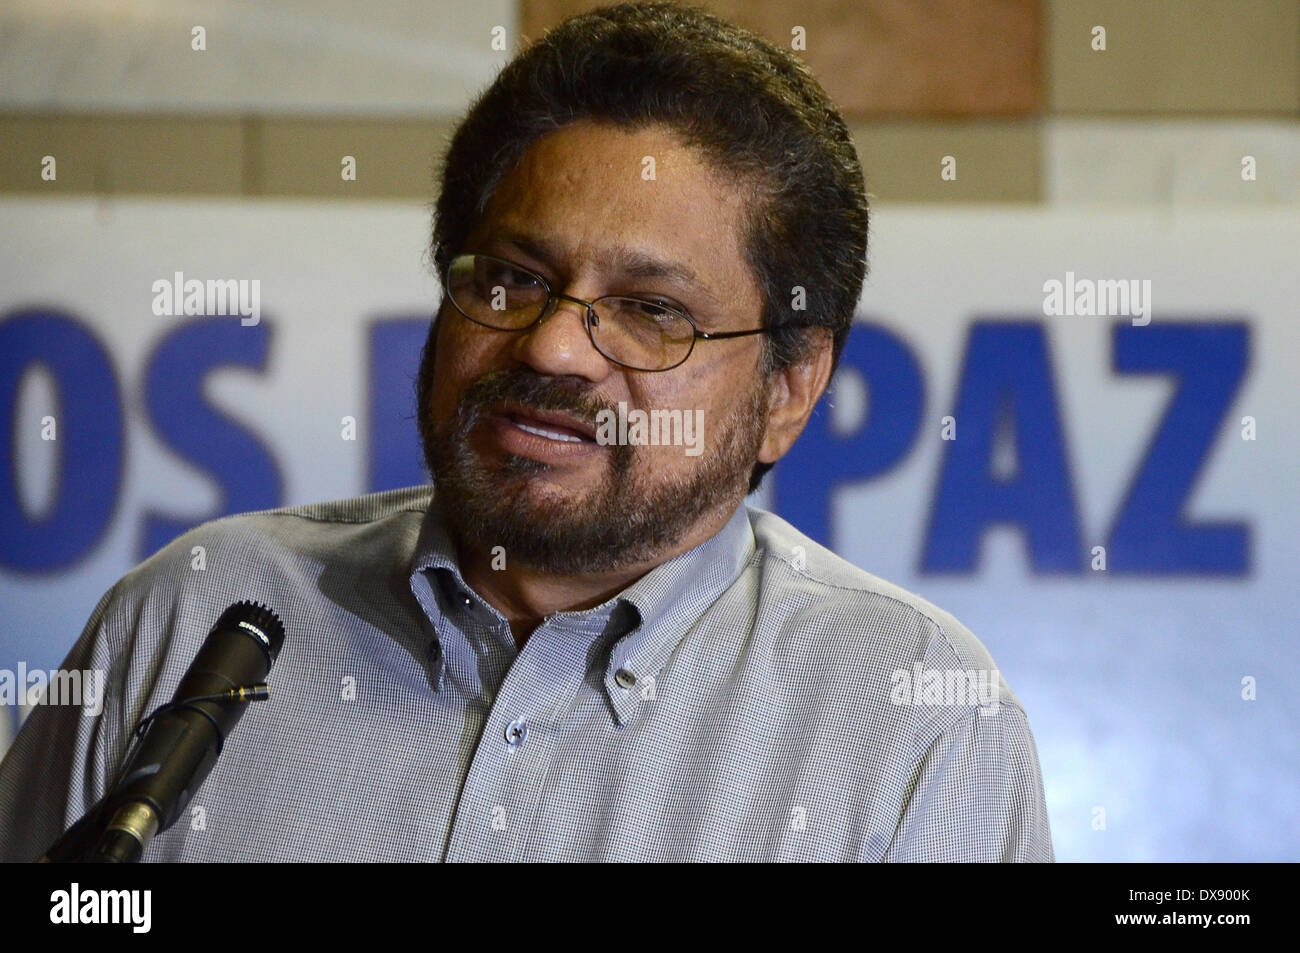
{"points": [[1077, 432]]}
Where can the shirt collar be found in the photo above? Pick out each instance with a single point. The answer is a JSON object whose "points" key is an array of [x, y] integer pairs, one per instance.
{"points": [[645, 622], [669, 600]]}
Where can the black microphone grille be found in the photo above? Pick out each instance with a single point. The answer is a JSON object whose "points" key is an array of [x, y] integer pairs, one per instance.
{"points": [[258, 621]]}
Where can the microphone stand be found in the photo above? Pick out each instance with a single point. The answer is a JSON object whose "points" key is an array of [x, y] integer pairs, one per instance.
{"points": [[117, 830], [78, 840]]}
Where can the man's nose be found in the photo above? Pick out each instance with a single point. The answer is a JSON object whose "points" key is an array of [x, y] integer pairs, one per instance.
{"points": [[559, 344]]}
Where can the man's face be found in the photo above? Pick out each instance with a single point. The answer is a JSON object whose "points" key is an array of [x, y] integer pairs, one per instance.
{"points": [[588, 211]]}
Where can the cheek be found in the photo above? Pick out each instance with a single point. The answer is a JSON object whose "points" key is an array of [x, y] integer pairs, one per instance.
{"points": [[721, 385], [707, 389], [463, 355]]}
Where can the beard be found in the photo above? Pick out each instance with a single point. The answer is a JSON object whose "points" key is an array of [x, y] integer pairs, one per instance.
{"points": [[628, 516]]}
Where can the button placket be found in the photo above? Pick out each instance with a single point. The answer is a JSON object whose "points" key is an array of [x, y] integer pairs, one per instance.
{"points": [[511, 760]]}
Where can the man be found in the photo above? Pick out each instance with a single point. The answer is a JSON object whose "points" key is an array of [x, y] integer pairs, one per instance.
{"points": [[583, 645]]}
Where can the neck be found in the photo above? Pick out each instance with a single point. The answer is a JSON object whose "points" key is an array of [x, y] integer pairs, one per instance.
{"points": [[525, 595]]}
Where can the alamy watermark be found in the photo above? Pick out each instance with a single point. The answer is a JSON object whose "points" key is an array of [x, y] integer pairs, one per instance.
{"points": [[83, 689], [133, 908], [1103, 297], [947, 687], [669, 428], [216, 296]]}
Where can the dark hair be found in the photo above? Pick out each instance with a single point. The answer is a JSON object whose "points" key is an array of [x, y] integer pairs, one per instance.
{"points": [[753, 109]]}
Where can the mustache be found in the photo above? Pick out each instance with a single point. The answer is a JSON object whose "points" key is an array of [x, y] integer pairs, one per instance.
{"points": [[529, 389]]}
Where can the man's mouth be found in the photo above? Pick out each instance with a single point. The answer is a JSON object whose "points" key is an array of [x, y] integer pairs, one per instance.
{"points": [[549, 434], [556, 426]]}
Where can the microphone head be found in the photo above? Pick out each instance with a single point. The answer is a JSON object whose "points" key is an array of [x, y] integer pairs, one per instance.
{"points": [[256, 621]]}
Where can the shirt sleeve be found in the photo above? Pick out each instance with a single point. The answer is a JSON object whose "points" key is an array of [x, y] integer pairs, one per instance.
{"points": [[57, 767], [977, 794]]}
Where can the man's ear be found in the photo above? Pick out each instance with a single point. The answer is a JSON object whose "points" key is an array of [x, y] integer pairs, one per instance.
{"points": [[793, 392]]}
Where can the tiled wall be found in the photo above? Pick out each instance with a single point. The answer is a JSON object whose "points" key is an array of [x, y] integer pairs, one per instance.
{"points": [[1013, 89]]}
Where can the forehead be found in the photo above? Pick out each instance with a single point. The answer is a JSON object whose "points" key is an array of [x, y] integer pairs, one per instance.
{"points": [[596, 190]]}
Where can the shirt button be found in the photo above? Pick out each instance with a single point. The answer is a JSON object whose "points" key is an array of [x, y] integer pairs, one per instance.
{"points": [[624, 678], [516, 732]]}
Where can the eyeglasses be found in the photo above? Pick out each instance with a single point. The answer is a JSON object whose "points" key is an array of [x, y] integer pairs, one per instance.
{"points": [[637, 333]]}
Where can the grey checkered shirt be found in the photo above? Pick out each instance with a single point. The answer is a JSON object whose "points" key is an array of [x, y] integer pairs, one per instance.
{"points": [[739, 702]]}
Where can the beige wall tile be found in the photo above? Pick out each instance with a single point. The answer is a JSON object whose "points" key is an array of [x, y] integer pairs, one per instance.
{"points": [[996, 161], [1172, 163], [303, 156], [392, 58], [122, 154], [1237, 57], [890, 57]]}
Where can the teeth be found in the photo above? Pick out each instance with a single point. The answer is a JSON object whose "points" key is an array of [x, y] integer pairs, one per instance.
{"points": [[550, 434]]}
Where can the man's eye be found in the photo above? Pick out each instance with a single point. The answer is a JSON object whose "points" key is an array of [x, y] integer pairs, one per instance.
{"points": [[510, 278], [658, 310]]}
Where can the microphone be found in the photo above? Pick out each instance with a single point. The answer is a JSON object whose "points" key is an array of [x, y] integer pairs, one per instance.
{"points": [[182, 739]]}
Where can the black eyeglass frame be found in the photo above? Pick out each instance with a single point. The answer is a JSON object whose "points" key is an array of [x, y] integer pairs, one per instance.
{"points": [[553, 296]]}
